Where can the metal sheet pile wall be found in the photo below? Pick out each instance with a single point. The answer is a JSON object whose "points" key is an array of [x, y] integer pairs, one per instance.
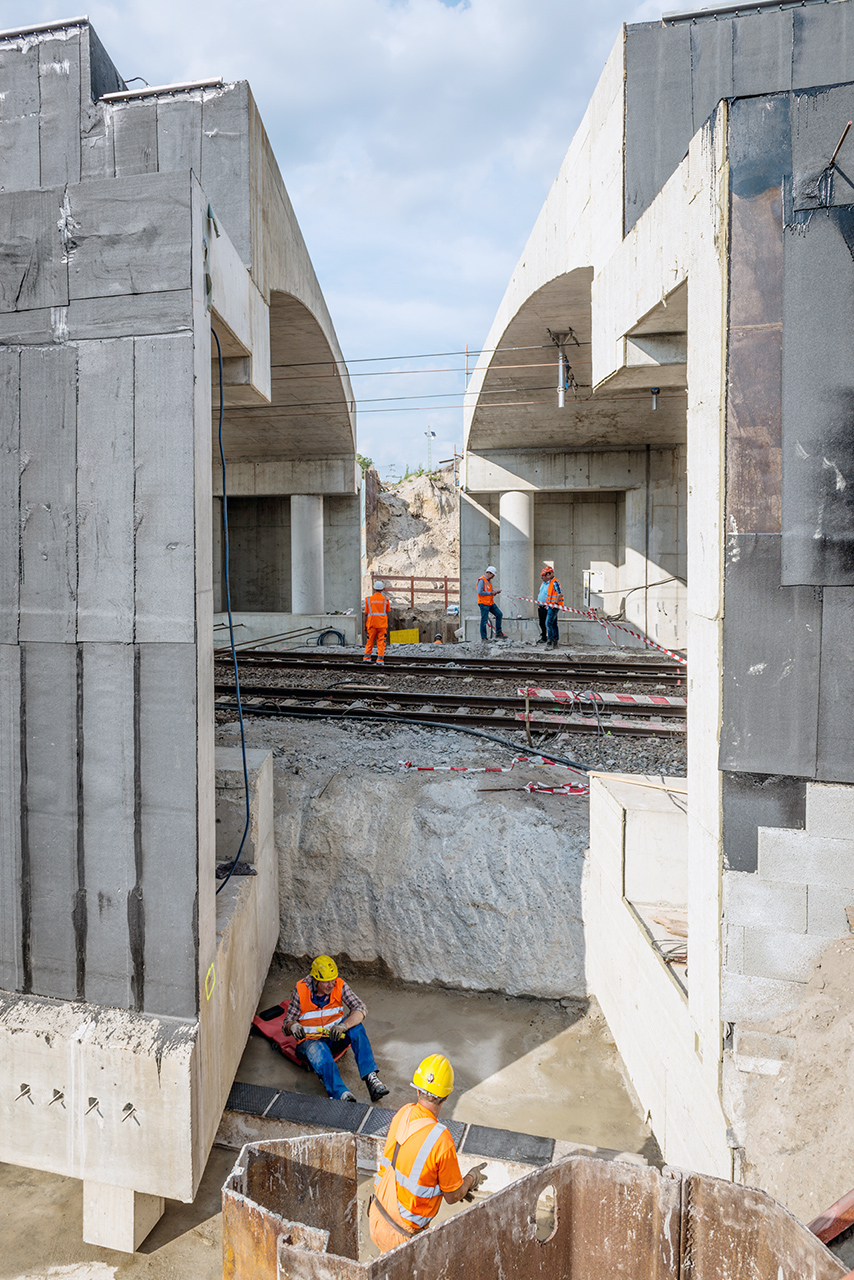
{"points": [[609, 1220]]}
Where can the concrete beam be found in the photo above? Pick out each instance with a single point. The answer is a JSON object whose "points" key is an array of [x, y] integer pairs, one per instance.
{"points": [[540, 469], [280, 477]]}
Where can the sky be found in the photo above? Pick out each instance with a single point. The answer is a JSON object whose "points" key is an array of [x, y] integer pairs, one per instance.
{"points": [[418, 140]]}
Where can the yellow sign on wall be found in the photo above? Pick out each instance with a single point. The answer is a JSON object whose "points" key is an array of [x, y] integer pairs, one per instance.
{"points": [[404, 637]]}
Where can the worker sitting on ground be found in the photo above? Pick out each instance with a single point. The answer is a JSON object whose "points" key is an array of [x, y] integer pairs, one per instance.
{"points": [[419, 1162], [486, 599], [376, 623], [554, 600], [324, 1016]]}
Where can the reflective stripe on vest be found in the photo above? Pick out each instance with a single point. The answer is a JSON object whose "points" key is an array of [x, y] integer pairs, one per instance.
{"points": [[485, 593], [314, 1018], [390, 1177], [376, 606]]}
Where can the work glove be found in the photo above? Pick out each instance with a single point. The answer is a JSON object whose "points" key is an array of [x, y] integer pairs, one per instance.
{"points": [[335, 1037], [479, 1177], [297, 1031]]}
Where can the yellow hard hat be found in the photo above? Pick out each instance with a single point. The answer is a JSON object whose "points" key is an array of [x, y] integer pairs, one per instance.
{"points": [[434, 1075], [324, 969]]}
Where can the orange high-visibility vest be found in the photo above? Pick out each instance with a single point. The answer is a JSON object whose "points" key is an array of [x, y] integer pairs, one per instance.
{"points": [[407, 1184], [313, 1018], [376, 607], [554, 595], [484, 591]]}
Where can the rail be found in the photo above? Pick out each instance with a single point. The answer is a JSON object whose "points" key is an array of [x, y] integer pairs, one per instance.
{"points": [[440, 586]]}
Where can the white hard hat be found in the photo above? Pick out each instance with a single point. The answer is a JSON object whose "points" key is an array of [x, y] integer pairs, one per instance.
{"points": [[378, 586], [490, 568]]}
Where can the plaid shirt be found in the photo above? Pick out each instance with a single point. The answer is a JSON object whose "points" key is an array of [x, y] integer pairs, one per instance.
{"points": [[294, 1009]]}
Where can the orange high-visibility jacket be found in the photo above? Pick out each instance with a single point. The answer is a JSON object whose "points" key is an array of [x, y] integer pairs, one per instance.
{"points": [[376, 609], [485, 593], [418, 1163], [554, 595], [313, 1018]]}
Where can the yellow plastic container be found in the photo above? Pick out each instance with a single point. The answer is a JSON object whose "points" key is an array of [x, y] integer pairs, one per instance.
{"points": [[404, 637]]}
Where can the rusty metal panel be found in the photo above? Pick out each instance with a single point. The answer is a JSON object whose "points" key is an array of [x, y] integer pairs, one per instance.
{"points": [[737, 1233], [310, 1180], [249, 1239]]}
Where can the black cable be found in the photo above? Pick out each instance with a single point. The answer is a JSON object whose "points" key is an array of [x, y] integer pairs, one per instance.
{"points": [[230, 622], [393, 716]]}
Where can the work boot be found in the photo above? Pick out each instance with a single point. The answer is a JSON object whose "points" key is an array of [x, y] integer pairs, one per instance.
{"points": [[347, 1096], [376, 1088], [380, 662], [542, 640], [499, 635], [366, 660]]}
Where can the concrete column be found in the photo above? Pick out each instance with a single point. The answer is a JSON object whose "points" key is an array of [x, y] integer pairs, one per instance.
{"points": [[307, 554], [118, 1218], [516, 564]]}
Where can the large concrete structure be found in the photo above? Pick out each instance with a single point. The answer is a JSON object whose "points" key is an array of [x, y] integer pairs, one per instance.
{"points": [[132, 224], [698, 240]]}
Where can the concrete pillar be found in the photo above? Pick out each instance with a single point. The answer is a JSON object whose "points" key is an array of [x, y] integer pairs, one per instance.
{"points": [[307, 554], [516, 564], [118, 1218]]}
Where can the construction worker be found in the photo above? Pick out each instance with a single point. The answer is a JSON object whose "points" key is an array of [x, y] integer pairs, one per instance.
{"points": [[542, 609], [486, 599], [419, 1162], [376, 623], [324, 1016], [554, 600]]}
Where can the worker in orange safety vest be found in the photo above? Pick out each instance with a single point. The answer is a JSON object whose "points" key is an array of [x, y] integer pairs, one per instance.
{"points": [[376, 623], [419, 1163], [486, 594], [554, 600]]}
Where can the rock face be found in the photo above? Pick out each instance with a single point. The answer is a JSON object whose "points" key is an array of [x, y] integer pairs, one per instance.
{"points": [[417, 528], [433, 875]]}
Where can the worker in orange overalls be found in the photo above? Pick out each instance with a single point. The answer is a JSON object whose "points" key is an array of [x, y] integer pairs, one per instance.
{"points": [[554, 600], [376, 623], [486, 599], [419, 1162]]}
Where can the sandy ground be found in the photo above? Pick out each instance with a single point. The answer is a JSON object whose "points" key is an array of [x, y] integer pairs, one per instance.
{"points": [[521, 1064]]}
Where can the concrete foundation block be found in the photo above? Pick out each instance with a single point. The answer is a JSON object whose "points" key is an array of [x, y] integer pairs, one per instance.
{"points": [[764, 904], [118, 1218], [826, 910], [802, 858], [786, 957], [830, 810], [735, 949], [748, 998], [759, 1053]]}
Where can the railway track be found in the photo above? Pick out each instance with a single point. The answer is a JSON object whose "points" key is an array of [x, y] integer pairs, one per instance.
{"points": [[566, 673], [602, 713]]}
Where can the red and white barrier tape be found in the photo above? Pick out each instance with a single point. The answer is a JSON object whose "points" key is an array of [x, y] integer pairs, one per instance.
{"points": [[603, 699], [592, 616], [568, 789]]}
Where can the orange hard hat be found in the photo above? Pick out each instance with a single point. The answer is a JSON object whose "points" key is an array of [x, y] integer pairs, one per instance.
{"points": [[545, 572]]}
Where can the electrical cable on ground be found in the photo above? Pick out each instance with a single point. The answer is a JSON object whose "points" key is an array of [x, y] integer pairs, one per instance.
{"points": [[231, 623], [294, 713]]}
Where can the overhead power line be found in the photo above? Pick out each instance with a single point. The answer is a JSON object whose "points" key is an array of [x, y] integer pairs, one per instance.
{"points": [[426, 355]]}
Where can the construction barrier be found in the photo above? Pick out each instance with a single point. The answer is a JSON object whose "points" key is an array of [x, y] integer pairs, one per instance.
{"points": [[592, 616], [568, 789], [410, 636], [603, 699]]}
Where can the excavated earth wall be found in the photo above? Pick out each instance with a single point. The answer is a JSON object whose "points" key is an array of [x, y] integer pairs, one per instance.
{"points": [[459, 879]]}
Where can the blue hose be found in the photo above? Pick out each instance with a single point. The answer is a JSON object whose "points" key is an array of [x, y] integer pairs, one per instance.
{"points": [[231, 624]]}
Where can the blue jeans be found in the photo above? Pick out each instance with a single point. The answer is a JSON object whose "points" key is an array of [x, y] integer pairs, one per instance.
{"points": [[485, 611], [319, 1057], [551, 624]]}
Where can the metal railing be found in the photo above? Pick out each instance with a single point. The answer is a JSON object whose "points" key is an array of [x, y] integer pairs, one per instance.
{"points": [[401, 584]]}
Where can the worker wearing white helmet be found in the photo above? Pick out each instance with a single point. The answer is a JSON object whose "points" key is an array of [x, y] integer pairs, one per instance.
{"points": [[419, 1163], [376, 622], [486, 594]]}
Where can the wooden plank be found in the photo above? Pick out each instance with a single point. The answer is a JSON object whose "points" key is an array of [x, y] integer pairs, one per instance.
{"points": [[179, 135], [50, 690], [10, 489], [11, 960], [108, 818], [132, 315], [105, 488], [59, 109], [133, 236], [167, 787], [48, 494], [33, 273], [165, 486], [135, 137], [19, 123]]}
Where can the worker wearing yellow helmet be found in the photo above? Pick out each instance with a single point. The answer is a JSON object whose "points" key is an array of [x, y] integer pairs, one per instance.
{"points": [[419, 1163], [324, 1017]]}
